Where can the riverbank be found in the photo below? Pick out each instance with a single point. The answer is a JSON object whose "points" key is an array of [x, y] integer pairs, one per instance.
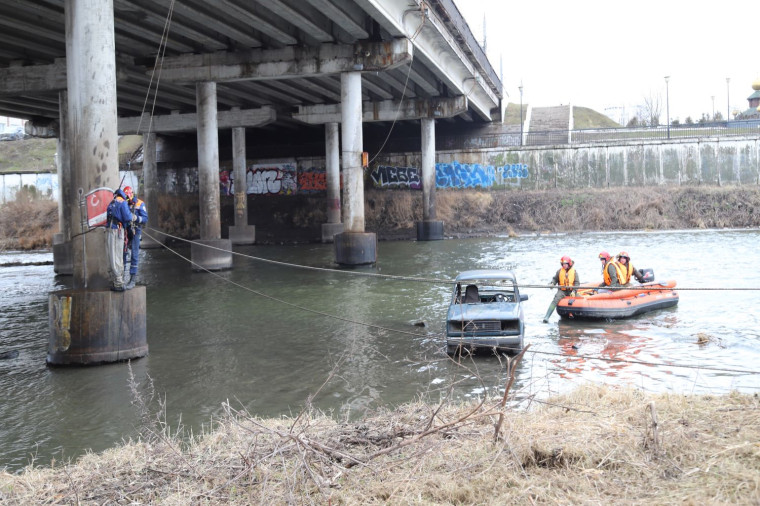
{"points": [[30, 222], [596, 445]]}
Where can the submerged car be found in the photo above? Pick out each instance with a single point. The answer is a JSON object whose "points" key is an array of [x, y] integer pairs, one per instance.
{"points": [[485, 313]]}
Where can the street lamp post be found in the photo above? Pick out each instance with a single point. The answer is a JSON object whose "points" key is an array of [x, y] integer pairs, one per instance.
{"points": [[728, 101], [521, 116], [667, 102], [713, 101]]}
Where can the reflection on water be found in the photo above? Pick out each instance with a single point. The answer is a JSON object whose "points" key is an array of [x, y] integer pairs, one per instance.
{"points": [[367, 342]]}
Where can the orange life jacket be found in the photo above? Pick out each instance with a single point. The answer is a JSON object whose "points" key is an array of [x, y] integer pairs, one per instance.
{"points": [[624, 272], [606, 272], [567, 277]]}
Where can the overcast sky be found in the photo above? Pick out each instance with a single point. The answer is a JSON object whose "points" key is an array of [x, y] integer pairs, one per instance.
{"points": [[605, 55]]}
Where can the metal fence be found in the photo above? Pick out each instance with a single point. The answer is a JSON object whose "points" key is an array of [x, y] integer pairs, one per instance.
{"points": [[565, 137]]}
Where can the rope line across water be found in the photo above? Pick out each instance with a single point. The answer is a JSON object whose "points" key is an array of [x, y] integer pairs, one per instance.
{"points": [[432, 280], [428, 335]]}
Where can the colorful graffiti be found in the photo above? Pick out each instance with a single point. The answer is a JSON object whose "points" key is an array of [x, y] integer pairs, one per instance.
{"points": [[271, 179], [449, 175], [312, 180]]}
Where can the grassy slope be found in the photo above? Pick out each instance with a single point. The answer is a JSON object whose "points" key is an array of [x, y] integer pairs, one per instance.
{"points": [[38, 155]]}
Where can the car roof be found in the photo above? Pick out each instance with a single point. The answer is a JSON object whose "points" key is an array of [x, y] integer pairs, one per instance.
{"points": [[486, 274]]}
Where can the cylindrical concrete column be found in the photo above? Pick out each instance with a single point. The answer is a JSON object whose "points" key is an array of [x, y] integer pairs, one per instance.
{"points": [[208, 161], [91, 83], [211, 252], [428, 168], [62, 252], [351, 144], [150, 238], [332, 180], [90, 324], [429, 229], [241, 232], [354, 246]]}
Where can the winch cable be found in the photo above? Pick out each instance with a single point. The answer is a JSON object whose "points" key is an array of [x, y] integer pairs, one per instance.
{"points": [[430, 334], [420, 279], [281, 301], [310, 267]]}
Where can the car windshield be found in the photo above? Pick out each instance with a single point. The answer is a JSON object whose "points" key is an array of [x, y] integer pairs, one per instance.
{"points": [[493, 285]]}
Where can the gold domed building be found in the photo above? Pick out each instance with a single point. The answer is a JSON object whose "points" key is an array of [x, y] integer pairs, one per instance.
{"points": [[753, 112]]}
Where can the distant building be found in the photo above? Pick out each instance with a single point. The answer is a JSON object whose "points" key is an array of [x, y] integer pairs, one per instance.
{"points": [[754, 103]]}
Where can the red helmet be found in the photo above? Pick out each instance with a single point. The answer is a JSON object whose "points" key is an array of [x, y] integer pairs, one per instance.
{"points": [[623, 254], [566, 260], [128, 192], [606, 256]]}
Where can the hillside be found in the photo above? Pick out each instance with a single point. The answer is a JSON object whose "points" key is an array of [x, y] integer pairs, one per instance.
{"points": [[583, 117]]}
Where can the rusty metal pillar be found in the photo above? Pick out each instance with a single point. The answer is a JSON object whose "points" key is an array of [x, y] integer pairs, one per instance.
{"points": [[354, 246], [90, 324], [241, 232], [429, 229], [332, 180], [211, 252]]}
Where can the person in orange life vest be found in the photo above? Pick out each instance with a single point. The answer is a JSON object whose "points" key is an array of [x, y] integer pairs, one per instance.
{"points": [[134, 234], [566, 278], [609, 270], [626, 270], [118, 218]]}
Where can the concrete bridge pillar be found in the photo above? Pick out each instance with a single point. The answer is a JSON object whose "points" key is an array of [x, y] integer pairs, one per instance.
{"points": [[89, 323], [211, 252], [332, 173], [150, 193], [429, 229], [353, 246], [241, 232], [62, 252]]}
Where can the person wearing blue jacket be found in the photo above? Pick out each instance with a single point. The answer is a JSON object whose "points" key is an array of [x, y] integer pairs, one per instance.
{"points": [[118, 218], [134, 234]]}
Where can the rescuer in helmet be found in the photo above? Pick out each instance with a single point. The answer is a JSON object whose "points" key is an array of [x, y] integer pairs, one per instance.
{"points": [[118, 219], [609, 270], [566, 278], [626, 270], [134, 235]]}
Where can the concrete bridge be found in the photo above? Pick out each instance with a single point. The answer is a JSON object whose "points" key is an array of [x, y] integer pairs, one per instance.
{"points": [[90, 70]]}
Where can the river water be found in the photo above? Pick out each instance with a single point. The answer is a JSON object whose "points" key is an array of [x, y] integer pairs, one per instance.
{"points": [[267, 337]]}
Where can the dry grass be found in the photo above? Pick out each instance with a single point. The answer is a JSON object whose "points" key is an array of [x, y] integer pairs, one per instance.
{"points": [[595, 446], [28, 222], [646, 208]]}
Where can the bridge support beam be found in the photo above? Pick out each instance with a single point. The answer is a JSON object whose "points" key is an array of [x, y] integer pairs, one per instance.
{"points": [[90, 324], [241, 232], [429, 229], [150, 238], [332, 172], [211, 252], [353, 246], [62, 252]]}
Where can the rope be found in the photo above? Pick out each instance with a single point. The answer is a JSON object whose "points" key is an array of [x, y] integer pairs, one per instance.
{"points": [[426, 280], [159, 63], [428, 335], [311, 268], [270, 297]]}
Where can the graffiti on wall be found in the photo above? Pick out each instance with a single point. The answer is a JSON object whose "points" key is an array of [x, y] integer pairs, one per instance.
{"points": [[384, 176], [449, 175], [312, 180], [271, 179]]}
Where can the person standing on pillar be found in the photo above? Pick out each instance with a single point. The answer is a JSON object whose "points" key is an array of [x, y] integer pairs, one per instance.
{"points": [[134, 235], [566, 278], [118, 218]]}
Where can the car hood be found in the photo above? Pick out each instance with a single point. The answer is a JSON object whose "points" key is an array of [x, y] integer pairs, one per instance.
{"points": [[493, 311]]}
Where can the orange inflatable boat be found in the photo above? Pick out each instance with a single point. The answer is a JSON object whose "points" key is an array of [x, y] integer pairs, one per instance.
{"points": [[593, 303]]}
